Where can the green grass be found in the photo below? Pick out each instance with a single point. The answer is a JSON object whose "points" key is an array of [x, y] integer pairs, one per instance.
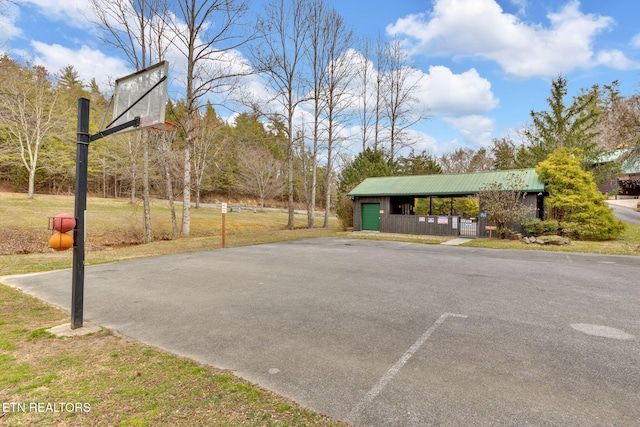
{"points": [[627, 244]]}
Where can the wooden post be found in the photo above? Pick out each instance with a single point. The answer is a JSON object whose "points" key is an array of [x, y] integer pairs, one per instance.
{"points": [[224, 231]]}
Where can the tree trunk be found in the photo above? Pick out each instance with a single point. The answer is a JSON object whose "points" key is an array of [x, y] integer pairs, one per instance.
{"points": [[172, 207], [327, 189], [291, 219], [186, 189], [147, 230], [32, 182]]}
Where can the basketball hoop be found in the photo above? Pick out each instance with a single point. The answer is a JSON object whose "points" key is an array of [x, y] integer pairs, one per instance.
{"points": [[165, 127], [141, 95]]}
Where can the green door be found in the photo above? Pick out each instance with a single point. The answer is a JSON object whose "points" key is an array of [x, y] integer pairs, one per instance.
{"points": [[371, 216]]}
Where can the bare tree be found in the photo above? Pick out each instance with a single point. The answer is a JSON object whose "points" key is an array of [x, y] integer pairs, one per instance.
{"points": [[365, 72], [401, 105], [164, 139], [136, 28], [380, 94], [504, 203], [279, 56], [465, 160], [337, 99], [620, 122], [316, 51], [261, 172], [211, 66], [28, 111], [206, 148]]}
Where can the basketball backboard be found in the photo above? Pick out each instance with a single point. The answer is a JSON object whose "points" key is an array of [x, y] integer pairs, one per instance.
{"points": [[142, 94]]}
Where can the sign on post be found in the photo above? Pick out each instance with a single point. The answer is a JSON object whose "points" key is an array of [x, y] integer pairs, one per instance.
{"points": [[224, 215]]}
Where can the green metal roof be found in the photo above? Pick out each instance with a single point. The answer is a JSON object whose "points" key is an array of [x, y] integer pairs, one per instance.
{"points": [[443, 185], [629, 164]]}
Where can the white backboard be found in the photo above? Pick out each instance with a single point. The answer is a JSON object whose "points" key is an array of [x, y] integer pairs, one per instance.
{"points": [[152, 85]]}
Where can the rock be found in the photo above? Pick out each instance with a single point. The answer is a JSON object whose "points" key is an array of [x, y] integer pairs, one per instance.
{"points": [[532, 239], [556, 240], [526, 240]]}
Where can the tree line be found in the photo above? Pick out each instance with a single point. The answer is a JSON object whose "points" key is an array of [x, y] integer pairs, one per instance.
{"points": [[307, 59]]}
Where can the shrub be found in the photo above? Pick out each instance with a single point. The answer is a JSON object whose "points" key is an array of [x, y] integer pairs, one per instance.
{"points": [[574, 199], [537, 227], [533, 227], [550, 226], [344, 211], [503, 203]]}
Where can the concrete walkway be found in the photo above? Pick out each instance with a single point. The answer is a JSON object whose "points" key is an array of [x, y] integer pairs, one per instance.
{"points": [[456, 242], [626, 203]]}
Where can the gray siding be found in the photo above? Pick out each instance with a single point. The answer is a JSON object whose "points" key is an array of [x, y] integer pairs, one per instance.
{"points": [[424, 224], [404, 224]]}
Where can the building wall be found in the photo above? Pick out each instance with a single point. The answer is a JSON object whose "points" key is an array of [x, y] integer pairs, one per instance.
{"points": [[421, 224], [404, 224], [425, 224]]}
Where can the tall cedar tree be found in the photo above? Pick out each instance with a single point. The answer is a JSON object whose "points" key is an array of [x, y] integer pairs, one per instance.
{"points": [[563, 126]]}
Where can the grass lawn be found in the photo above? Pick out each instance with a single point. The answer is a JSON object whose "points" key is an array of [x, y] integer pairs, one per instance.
{"points": [[627, 244]]}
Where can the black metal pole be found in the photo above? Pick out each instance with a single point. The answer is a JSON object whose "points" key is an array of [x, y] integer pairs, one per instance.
{"points": [[82, 158]]}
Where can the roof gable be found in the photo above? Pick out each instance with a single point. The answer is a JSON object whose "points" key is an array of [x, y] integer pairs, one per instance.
{"points": [[443, 185]]}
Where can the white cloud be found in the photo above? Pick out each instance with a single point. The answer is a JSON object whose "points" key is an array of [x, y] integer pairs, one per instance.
{"points": [[456, 95], [481, 29], [87, 62], [8, 30], [616, 59], [476, 130], [521, 5], [635, 41], [72, 12]]}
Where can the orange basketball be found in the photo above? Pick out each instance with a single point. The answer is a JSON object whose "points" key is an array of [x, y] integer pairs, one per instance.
{"points": [[64, 222], [60, 241]]}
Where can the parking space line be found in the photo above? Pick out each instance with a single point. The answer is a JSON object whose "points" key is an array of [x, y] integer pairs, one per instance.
{"points": [[386, 378]]}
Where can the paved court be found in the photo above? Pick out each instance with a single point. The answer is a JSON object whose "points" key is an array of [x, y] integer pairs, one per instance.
{"points": [[391, 334]]}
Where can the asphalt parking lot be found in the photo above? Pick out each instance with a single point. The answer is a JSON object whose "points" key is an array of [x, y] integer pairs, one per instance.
{"points": [[387, 333]]}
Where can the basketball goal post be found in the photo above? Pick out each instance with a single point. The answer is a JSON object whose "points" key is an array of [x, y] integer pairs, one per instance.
{"points": [[139, 101]]}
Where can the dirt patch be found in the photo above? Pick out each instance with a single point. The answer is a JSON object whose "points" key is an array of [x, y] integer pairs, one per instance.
{"points": [[18, 242], [23, 242]]}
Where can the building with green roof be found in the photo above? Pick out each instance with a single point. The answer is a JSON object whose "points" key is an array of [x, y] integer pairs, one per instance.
{"points": [[388, 204], [627, 182]]}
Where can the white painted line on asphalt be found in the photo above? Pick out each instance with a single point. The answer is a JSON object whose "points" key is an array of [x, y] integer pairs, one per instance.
{"points": [[386, 378], [602, 331]]}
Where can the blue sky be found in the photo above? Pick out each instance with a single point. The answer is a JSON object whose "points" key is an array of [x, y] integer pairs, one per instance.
{"points": [[484, 64]]}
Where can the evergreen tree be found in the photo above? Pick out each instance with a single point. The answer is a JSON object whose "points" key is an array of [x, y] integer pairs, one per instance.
{"points": [[504, 154], [417, 164], [368, 163], [574, 199], [563, 126]]}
